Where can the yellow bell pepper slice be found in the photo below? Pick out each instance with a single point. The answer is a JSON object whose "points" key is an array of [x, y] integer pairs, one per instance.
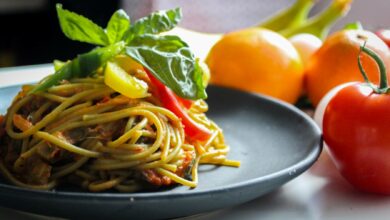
{"points": [[119, 80]]}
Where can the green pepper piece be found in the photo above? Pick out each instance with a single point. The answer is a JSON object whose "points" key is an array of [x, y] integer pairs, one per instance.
{"points": [[81, 66]]}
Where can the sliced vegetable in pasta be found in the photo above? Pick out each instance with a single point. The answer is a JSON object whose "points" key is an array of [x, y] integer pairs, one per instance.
{"points": [[128, 115]]}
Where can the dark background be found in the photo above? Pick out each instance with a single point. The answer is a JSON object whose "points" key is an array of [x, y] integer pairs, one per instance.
{"points": [[34, 36], [30, 34]]}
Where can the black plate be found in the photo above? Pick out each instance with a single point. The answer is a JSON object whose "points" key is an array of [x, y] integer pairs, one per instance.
{"points": [[275, 142]]}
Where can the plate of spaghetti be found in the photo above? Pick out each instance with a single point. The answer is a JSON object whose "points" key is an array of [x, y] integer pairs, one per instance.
{"points": [[122, 131]]}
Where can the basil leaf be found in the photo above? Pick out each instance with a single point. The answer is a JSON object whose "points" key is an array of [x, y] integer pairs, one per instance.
{"points": [[118, 24], [81, 66], [170, 60], [77, 27], [155, 23], [198, 79]]}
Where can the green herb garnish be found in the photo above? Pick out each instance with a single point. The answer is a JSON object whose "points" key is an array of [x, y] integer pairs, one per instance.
{"points": [[117, 26], [168, 58], [77, 27]]}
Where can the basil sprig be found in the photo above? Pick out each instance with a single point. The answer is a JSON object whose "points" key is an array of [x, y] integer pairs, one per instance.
{"points": [[168, 58], [169, 54], [77, 27], [155, 23], [117, 26]]}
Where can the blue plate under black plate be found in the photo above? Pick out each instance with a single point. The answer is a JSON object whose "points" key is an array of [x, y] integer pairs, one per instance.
{"points": [[275, 142]]}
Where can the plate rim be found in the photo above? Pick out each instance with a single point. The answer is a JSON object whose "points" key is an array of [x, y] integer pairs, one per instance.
{"points": [[298, 167]]}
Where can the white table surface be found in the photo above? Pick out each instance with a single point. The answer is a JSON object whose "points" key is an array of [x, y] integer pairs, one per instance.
{"points": [[319, 193]]}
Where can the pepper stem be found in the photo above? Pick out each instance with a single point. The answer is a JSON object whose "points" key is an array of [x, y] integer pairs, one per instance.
{"points": [[383, 85], [321, 24], [291, 17]]}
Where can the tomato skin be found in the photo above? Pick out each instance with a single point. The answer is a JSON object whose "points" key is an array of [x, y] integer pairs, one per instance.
{"points": [[334, 63], [384, 34], [356, 128]]}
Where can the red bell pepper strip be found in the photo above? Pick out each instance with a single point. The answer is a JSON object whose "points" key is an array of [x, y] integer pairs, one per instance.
{"points": [[168, 99], [184, 102]]}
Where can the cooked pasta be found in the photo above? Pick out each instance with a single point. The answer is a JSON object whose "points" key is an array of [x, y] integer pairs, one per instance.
{"points": [[83, 132], [128, 115]]}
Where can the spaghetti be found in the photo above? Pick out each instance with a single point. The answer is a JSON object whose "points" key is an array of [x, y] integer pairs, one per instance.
{"points": [[83, 132]]}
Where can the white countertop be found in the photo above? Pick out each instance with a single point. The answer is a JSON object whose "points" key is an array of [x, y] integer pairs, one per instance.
{"points": [[319, 193]]}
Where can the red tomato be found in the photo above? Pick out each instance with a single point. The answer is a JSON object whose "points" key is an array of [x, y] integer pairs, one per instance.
{"points": [[356, 127], [384, 34]]}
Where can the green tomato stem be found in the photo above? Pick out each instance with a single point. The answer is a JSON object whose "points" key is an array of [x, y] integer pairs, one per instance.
{"points": [[383, 84], [321, 24], [291, 17]]}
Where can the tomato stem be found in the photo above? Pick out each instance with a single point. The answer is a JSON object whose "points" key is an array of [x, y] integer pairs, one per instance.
{"points": [[383, 85]]}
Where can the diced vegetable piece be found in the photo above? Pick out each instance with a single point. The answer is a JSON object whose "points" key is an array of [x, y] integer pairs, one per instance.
{"points": [[122, 82]]}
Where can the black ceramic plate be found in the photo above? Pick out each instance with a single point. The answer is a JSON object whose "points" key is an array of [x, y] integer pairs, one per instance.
{"points": [[275, 142]]}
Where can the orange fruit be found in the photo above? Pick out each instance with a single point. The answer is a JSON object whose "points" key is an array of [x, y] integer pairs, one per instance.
{"points": [[257, 60], [336, 62]]}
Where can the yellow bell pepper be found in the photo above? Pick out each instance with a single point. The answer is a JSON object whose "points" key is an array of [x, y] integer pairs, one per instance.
{"points": [[119, 80]]}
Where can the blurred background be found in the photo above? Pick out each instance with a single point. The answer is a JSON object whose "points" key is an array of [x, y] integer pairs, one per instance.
{"points": [[30, 33]]}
